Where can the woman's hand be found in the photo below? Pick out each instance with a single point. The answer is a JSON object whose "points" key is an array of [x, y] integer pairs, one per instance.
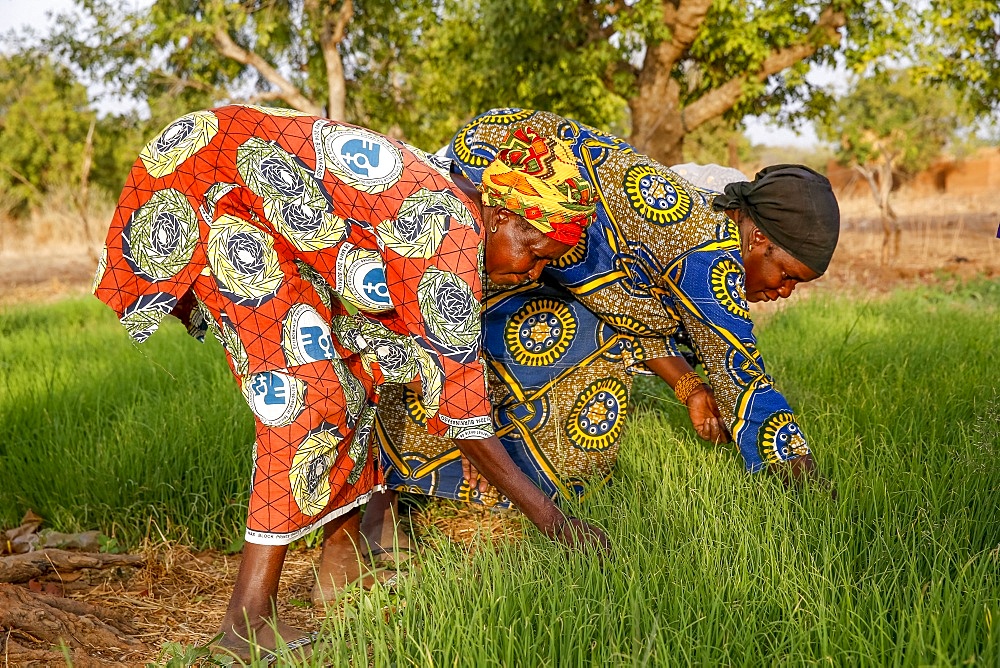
{"points": [[705, 416], [488, 456], [474, 477]]}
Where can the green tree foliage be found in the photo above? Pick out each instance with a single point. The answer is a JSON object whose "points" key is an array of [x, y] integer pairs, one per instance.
{"points": [[662, 68], [658, 69], [961, 47], [298, 53], [44, 122], [892, 123], [51, 137]]}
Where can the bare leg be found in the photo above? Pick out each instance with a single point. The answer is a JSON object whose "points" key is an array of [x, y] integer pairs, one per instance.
{"points": [[340, 563], [380, 528], [251, 614]]}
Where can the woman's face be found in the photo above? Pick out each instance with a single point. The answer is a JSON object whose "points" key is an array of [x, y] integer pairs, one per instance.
{"points": [[771, 273], [517, 252]]}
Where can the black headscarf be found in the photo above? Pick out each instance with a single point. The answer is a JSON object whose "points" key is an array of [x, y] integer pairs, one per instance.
{"points": [[794, 207]]}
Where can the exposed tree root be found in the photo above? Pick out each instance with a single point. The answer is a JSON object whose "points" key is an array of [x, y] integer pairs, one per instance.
{"points": [[34, 626]]}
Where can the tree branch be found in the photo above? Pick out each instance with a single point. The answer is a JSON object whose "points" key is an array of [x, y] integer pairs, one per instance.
{"points": [[684, 20], [332, 31], [289, 91], [722, 98]]}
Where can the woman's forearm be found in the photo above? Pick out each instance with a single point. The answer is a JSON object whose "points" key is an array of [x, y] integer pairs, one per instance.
{"points": [[670, 369], [492, 461]]}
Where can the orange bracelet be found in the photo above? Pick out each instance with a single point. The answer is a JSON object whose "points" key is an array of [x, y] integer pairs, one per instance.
{"points": [[687, 385]]}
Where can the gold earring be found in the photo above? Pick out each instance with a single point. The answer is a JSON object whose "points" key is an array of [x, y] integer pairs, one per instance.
{"points": [[494, 228]]}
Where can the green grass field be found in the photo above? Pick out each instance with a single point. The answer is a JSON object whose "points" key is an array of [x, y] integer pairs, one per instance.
{"points": [[899, 397]]}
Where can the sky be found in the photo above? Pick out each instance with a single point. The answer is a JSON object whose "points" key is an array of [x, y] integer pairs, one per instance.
{"points": [[34, 14]]}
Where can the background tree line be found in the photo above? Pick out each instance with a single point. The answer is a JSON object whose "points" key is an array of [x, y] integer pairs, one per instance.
{"points": [[675, 76]]}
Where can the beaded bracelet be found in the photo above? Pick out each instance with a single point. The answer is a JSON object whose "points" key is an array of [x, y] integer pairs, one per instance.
{"points": [[687, 385]]}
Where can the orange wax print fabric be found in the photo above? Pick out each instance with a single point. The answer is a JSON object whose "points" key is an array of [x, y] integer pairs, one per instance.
{"points": [[328, 260]]}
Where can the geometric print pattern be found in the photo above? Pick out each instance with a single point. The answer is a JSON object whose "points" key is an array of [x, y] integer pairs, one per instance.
{"points": [[282, 226], [560, 420], [658, 266]]}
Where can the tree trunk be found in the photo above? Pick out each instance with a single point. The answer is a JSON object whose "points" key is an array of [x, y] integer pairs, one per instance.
{"points": [[83, 199], [890, 226], [657, 125], [879, 181]]}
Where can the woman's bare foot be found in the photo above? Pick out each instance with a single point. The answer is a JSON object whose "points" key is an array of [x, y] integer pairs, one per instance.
{"points": [[385, 543], [341, 564], [238, 637], [250, 619]]}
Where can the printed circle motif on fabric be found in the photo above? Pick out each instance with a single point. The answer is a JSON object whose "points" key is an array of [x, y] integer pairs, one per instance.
{"points": [[727, 286], [655, 196], [306, 336], [355, 395], [364, 160], [540, 332], [422, 221], [468, 149], [450, 309], [244, 262], [628, 323], [275, 398], [360, 450], [780, 438], [598, 415], [276, 111], [295, 201], [102, 266], [230, 340], [361, 279], [395, 359], [143, 316], [309, 474], [179, 141], [160, 237]]}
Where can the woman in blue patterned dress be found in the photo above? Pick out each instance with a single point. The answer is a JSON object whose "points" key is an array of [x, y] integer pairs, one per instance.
{"points": [[665, 262]]}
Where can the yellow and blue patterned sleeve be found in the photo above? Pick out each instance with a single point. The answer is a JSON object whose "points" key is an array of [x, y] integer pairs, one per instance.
{"points": [[707, 285]]}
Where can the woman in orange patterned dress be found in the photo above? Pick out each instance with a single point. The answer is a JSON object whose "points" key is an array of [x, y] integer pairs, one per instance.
{"points": [[330, 260]]}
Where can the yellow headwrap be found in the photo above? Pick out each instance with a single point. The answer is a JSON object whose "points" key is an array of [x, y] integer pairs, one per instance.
{"points": [[537, 178]]}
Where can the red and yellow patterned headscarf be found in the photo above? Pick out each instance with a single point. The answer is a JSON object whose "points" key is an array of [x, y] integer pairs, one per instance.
{"points": [[537, 178]]}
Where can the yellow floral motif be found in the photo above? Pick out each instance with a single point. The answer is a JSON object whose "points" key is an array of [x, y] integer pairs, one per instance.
{"points": [[781, 439], [179, 141], [243, 260], [654, 195], [540, 332], [727, 286], [464, 150], [309, 475], [276, 111], [596, 420], [574, 255]]}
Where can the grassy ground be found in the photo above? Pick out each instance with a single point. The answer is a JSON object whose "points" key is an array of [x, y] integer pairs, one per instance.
{"points": [[899, 398]]}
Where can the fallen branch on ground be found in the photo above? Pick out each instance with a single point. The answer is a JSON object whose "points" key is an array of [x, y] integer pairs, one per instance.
{"points": [[23, 567]]}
